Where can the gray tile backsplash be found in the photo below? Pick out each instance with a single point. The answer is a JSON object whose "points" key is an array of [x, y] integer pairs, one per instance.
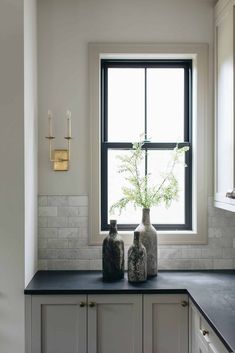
{"points": [[63, 239]]}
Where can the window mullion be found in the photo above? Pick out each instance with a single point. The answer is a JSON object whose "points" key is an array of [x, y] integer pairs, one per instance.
{"points": [[104, 182], [145, 119], [186, 104], [104, 104], [145, 123], [148, 145], [145, 104]]}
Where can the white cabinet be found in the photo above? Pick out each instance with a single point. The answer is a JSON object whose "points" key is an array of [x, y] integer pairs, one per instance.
{"points": [[202, 338], [115, 323], [224, 105], [58, 324], [201, 346], [81, 324], [165, 323], [108, 323], [193, 329]]}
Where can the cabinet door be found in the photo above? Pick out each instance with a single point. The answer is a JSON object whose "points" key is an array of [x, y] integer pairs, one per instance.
{"points": [[193, 328], [165, 323], [59, 324], [212, 349], [215, 348], [115, 323], [201, 346], [224, 106]]}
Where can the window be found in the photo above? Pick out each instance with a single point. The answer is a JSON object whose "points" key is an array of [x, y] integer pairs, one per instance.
{"points": [[153, 97], [145, 62]]}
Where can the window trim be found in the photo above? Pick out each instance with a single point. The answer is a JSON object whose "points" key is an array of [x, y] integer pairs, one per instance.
{"points": [[199, 54], [184, 64]]}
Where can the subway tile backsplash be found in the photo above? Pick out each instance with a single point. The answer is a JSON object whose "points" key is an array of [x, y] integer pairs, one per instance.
{"points": [[63, 239]]}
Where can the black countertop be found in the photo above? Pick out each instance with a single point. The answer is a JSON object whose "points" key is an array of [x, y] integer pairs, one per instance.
{"points": [[213, 292]]}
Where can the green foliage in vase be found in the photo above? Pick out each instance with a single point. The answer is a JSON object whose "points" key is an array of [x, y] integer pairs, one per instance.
{"points": [[140, 192]]}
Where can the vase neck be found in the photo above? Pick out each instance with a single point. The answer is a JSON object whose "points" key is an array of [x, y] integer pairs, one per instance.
{"points": [[113, 228], [137, 238], [146, 216]]}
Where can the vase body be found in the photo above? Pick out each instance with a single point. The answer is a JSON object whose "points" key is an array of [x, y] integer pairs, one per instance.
{"points": [[137, 261], [148, 237], [113, 255]]}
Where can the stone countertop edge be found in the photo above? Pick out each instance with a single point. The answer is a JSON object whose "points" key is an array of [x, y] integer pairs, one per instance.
{"points": [[37, 287]]}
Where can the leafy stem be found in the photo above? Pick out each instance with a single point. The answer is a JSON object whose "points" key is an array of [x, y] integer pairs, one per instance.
{"points": [[140, 192]]}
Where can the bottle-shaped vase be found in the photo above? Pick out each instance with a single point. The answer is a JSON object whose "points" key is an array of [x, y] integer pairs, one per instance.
{"points": [[137, 261], [148, 237], [113, 255]]}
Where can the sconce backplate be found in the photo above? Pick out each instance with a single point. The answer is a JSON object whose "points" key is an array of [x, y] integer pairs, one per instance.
{"points": [[61, 160]]}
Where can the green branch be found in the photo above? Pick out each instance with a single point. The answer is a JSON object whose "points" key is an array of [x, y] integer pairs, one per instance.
{"points": [[140, 193]]}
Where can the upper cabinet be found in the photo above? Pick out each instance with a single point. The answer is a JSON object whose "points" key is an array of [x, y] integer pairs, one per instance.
{"points": [[224, 105]]}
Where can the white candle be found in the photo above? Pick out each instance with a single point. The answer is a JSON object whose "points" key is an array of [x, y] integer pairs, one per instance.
{"points": [[50, 122], [69, 129]]}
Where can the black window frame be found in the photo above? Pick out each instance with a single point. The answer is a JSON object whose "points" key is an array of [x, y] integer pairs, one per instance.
{"points": [[186, 64]]}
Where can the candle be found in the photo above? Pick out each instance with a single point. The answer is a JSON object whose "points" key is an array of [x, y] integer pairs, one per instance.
{"points": [[69, 129], [50, 122]]}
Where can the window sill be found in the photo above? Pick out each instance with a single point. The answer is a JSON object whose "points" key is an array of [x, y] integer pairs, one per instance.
{"points": [[164, 238]]}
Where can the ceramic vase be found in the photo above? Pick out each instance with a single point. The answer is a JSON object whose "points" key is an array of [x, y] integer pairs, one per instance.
{"points": [[113, 255], [137, 261], [148, 237]]}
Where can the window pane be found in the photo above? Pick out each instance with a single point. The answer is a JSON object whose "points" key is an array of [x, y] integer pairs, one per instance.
{"points": [[157, 165], [165, 104], [116, 181], [125, 104], [158, 162]]}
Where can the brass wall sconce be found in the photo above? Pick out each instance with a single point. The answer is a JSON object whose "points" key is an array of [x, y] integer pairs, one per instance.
{"points": [[59, 157]]}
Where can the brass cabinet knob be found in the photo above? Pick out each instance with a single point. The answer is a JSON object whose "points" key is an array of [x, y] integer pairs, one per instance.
{"points": [[184, 303], [205, 332], [82, 304], [91, 304]]}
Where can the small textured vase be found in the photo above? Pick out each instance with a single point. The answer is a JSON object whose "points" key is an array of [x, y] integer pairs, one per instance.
{"points": [[137, 261], [148, 237], [113, 255]]}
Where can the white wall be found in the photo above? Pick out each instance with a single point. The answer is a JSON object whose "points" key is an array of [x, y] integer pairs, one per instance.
{"points": [[11, 177], [64, 30], [65, 27], [31, 138]]}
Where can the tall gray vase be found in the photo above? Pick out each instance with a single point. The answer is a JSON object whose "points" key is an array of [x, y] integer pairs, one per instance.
{"points": [[148, 236]]}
